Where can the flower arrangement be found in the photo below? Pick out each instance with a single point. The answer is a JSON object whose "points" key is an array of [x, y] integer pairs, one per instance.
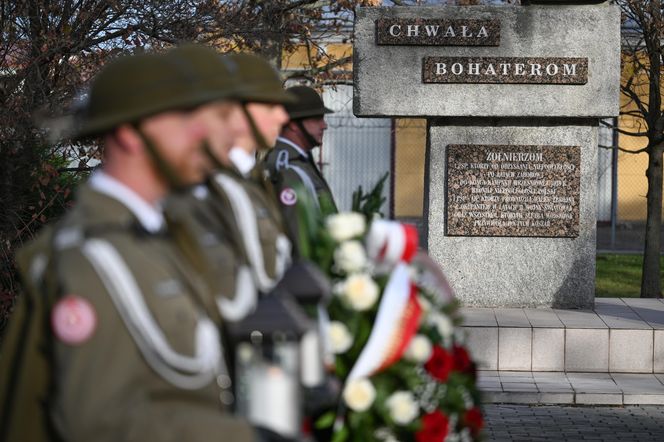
{"points": [[405, 372]]}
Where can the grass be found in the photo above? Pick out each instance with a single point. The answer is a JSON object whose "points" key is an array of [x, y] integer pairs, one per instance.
{"points": [[619, 276]]}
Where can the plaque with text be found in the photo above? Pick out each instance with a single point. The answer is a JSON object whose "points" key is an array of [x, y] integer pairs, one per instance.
{"points": [[437, 32], [500, 190], [505, 70]]}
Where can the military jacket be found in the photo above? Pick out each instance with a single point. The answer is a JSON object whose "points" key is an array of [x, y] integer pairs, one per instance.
{"points": [[245, 206], [290, 170], [150, 367]]}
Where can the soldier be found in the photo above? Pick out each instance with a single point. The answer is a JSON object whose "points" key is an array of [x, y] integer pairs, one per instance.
{"points": [[290, 165], [117, 337]]}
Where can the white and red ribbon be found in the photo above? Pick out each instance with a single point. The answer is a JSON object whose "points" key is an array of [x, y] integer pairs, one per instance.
{"points": [[396, 322]]}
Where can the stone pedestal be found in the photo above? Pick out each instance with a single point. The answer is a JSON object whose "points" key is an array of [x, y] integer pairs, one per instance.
{"points": [[516, 271]]}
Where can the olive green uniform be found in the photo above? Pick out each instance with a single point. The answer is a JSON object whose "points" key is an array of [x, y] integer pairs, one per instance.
{"points": [[291, 171], [152, 368], [244, 203]]}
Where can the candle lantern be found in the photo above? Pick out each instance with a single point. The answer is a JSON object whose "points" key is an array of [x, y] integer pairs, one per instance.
{"points": [[267, 365]]}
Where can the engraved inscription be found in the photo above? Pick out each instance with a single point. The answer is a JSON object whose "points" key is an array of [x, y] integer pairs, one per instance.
{"points": [[437, 32], [499, 190], [507, 70]]}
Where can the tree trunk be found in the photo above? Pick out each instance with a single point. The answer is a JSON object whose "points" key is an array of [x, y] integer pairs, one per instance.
{"points": [[650, 280]]}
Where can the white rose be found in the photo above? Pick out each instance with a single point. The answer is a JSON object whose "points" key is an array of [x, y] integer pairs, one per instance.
{"points": [[419, 349], [403, 407], [442, 324], [350, 256], [345, 226], [359, 394], [340, 338], [360, 291]]}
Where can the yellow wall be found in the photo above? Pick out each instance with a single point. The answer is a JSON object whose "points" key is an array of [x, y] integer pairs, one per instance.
{"points": [[410, 140], [632, 180]]}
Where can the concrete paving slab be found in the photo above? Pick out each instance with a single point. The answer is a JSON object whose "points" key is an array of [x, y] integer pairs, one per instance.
{"points": [[650, 310], [516, 374], [543, 317], [556, 398], [511, 317], [478, 317], [580, 319], [482, 343], [619, 315], [638, 383], [658, 351], [548, 349], [660, 377], [514, 348], [487, 374], [519, 386], [587, 349], [631, 351], [643, 399], [599, 398]]}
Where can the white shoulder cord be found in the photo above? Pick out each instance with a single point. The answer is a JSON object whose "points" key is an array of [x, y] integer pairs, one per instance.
{"points": [[245, 215], [184, 372], [244, 301], [308, 184]]}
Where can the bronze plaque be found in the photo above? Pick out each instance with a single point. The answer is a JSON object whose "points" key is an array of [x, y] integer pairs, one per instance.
{"points": [[506, 70], [437, 32], [499, 190]]}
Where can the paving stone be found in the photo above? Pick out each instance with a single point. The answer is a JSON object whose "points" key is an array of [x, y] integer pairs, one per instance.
{"points": [[514, 348], [543, 317], [619, 315], [587, 349], [548, 349], [478, 317], [599, 398], [643, 399], [658, 351], [631, 351], [638, 383], [556, 398], [482, 343], [511, 317], [650, 310], [519, 386], [580, 319]]}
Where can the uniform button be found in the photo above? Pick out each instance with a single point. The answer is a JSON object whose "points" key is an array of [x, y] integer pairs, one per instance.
{"points": [[224, 381], [226, 398]]}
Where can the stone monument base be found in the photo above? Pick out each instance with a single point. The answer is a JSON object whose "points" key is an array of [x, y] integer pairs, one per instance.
{"points": [[515, 267]]}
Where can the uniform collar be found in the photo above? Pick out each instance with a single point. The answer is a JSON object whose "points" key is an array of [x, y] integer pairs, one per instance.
{"points": [[294, 146], [242, 160], [150, 217]]}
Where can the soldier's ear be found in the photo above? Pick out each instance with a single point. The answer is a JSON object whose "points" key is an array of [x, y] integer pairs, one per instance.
{"points": [[128, 139]]}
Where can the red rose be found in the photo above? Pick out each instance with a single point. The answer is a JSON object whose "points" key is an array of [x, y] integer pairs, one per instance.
{"points": [[473, 420], [434, 427], [440, 363], [462, 360]]}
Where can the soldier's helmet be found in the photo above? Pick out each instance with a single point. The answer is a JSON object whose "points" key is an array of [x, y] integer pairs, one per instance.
{"points": [[135, 87], [308, 105], [260, 81]]}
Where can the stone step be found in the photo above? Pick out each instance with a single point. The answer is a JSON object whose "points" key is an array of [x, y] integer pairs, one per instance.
{"points": [[525, 387], [620, 335]]}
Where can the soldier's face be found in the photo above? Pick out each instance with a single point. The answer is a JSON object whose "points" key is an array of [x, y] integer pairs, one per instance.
{"points": [[178, 137], [316, 128], [269, 119], [225, 123]]}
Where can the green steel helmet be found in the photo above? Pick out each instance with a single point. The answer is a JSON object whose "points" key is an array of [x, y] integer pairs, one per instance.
{"points": [[260, 82], [216, 75], [309, 104], [135, 87]]}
